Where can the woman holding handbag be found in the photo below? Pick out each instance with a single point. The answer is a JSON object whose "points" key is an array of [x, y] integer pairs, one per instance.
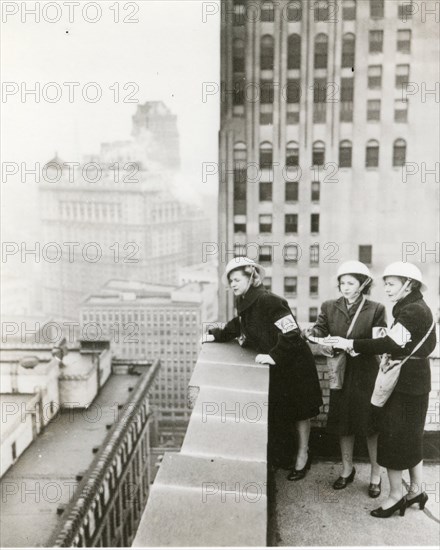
{"points": [[410, 340], [266, 324], [350, 411]]}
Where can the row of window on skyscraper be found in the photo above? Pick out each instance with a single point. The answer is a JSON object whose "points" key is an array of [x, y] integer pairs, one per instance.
{"points": [[318, 155], [323, 10], [321, 50]]}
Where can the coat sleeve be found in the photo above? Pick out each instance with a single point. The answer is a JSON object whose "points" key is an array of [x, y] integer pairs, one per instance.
{"points": [[321, 327], [404, 336], [230, 331], [380, 316], [289, 341]]}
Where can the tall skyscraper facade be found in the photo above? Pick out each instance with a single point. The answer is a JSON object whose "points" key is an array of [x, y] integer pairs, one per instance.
{"points": [[329, 141]]}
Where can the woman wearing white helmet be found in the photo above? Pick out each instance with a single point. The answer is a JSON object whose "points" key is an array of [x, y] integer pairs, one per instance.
{"points": [[350, 412], [266, 324], [412, 339]]}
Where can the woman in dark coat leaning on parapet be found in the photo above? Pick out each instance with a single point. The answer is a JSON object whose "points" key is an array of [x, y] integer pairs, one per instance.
{"points": [[265, 323]]}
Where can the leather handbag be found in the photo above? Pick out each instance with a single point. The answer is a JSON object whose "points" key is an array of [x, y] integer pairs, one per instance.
{"points": [[388, 375]]}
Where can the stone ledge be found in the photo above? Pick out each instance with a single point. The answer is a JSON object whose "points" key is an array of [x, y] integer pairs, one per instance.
{"points": [[214, 492]]}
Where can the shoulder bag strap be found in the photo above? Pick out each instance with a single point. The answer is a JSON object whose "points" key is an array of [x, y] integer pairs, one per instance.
{"points": [[356, 315], [420, 344]]}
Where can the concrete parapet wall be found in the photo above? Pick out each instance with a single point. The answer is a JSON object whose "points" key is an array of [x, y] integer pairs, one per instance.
{"points": [[214, 492]]}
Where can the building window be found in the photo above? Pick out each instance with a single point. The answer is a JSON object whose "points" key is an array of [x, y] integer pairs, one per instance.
{"points": [[372, 154], [314, 254], [349, 10], [314, 223], [294, 11], [365, 253], [265, 223], [294, 51], [321, 10], [292, 154], [313, 314], [313, 286], [291, 194], [373, 109], [376, 9], [239, 250], [321, 43], [318, 154], [348, 47], [266, 91], [319, 100], [240, 191], [239, 13], [402, 75], [239, 224], [290, 286], [376, 41], [267, 12], [238, 59], [399, 152], [265, 190], [345, 152], [265, 254], [406, 9], [290, 252], [404, 41], [293, 90], [374, 76], [400, 110], [266, 157], [266, 114], [266, 52], [347, 95], [267, 283], [291, 223], [316, 190], [239, 85]]}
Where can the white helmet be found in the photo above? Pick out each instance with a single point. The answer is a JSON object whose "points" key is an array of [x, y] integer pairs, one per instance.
{"points": [[241, 261], [353, 266], [404, 269]]}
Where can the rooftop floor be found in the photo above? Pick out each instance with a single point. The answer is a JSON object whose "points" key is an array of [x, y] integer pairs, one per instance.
{"points": [[44, 477], [311, 513]]}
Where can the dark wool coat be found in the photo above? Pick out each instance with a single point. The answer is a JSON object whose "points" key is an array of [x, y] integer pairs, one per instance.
{"points": [[350, 412], [402, 419], [268, 326]]}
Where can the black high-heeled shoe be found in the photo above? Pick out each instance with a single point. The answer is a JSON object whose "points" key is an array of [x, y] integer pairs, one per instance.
{"points": [[388, 512], [296, 475], [374, 489], [342, 482], [422, 499]]}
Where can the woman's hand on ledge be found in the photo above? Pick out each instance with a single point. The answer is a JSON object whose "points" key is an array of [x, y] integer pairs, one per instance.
{"points": [[264, 359], [207, 338]]}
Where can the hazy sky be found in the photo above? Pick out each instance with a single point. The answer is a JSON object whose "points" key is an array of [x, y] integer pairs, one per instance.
{"points": [[168, 54]]}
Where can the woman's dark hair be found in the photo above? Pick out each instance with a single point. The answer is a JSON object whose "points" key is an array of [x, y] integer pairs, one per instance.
{"points": [[415, 285], [361, 279]]}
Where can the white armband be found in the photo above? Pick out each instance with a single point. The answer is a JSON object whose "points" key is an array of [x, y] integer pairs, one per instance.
{"points": [[286, 324], [400, 335]]}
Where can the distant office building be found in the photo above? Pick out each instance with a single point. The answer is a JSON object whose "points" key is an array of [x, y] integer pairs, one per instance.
{"points": [[115, 215], [145, 321], [329, 141], [85, 481]]}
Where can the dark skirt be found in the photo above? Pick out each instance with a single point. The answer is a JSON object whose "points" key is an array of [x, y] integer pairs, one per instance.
{"points": [[350, 410], [401, 424]]}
